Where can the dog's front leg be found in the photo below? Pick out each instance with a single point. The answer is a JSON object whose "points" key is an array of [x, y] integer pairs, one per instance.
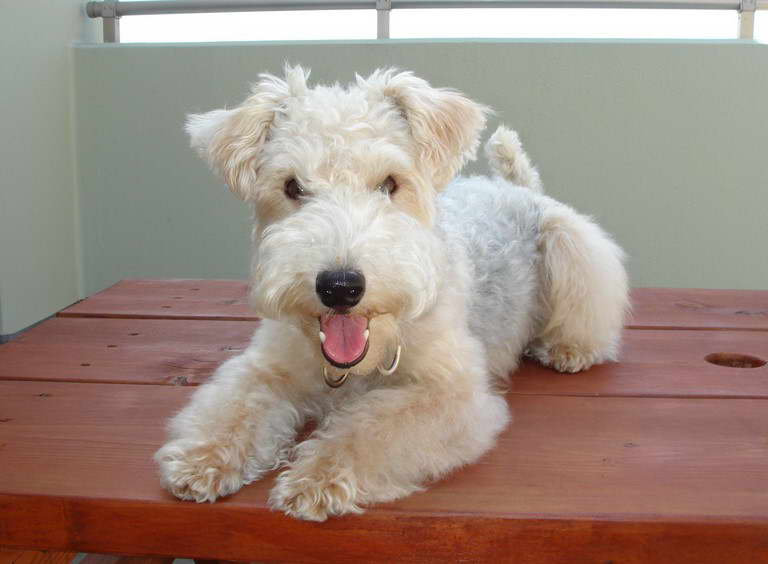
{"points": [[385, 445], [236, 427]]}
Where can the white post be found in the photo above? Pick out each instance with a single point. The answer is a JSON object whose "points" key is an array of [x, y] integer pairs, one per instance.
{"points": [[383, 7], [747, 19], [110, 21]]}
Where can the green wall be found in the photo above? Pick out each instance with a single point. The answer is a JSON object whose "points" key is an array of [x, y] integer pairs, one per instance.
{"points": [[665, 143], [39, 239]]}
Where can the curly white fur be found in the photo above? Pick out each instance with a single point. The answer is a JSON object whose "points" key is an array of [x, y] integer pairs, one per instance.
{"points": [[465, 278]]}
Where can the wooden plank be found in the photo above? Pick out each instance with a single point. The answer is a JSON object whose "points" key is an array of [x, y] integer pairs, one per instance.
{"points": [[168, 299], [686, 308], [661, 363], [223, 532], [574, 479], [139, 351], [653, 308], [35, 557], [155, 351]]}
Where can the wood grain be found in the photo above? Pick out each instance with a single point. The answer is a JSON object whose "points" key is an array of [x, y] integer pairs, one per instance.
{"points": [[653, 308], [220, 532], [660, 363], [573, 476], [689, 308], [139, 351], [661, 457], [168, 299], [35, 557], [186, 352]]}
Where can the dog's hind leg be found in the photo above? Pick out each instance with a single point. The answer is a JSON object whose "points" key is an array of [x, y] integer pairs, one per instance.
{"points": [[584, 291]]}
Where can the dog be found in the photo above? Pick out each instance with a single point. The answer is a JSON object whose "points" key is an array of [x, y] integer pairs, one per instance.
{"points": [[396, 298]]}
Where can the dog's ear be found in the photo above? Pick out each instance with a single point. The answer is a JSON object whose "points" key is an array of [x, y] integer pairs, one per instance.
{"points": [[232, 141], [445, 124]]}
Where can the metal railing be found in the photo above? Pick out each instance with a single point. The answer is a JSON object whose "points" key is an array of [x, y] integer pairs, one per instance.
{"points": [[112, 10]]}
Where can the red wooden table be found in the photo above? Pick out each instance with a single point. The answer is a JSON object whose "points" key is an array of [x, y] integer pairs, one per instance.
{"points": [[661, 457]]}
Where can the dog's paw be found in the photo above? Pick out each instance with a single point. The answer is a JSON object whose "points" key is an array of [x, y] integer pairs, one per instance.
{"points": [[565, 358], [197, 471], [314, 496]]}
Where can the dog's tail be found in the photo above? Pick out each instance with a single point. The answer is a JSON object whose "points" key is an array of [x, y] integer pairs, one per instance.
{"points": [[507, 158]]}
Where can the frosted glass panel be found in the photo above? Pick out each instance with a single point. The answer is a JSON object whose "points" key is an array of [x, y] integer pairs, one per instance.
{"points": [[250, 26], [761, 26], [569, 23]]}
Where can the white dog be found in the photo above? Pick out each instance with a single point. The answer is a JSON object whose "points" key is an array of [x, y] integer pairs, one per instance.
{"points": [[394, 297]]}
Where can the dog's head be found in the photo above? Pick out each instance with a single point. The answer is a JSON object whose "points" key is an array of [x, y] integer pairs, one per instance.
{"points": [[343, 181]]}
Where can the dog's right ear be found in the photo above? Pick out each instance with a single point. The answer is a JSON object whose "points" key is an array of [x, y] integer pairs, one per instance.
{"points": [[203, 128], [232, 141]]}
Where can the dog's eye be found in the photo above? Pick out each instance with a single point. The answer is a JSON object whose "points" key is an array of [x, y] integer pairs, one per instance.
{"points": [[293, 189], [389, 186]]}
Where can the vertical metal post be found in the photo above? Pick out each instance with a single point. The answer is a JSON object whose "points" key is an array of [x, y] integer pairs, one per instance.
{"points": [[383, 8], [747, 19], [111, 21]]}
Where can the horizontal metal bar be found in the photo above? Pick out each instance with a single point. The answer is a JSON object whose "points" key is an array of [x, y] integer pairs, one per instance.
{"points": [[641, 4], [149, 7], [155, 7], [619, 4]]}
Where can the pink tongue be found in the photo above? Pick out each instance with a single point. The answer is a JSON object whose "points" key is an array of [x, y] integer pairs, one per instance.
{"points": [[344, 337]]}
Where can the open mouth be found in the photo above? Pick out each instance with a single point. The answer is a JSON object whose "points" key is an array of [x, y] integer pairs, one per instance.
{"points": [[343, 338]]}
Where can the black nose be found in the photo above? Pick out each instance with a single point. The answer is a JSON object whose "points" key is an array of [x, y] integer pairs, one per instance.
{"points": [[340, 289]]}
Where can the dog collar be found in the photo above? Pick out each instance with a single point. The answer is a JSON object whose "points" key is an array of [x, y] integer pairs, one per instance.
{"points": [[338, 382]]}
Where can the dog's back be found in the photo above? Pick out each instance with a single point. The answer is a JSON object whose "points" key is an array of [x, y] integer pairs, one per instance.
{"points": [[496, 224], [544, 277]]}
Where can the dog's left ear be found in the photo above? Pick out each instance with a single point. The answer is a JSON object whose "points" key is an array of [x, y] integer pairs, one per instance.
{"points": [[445, 124]]}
